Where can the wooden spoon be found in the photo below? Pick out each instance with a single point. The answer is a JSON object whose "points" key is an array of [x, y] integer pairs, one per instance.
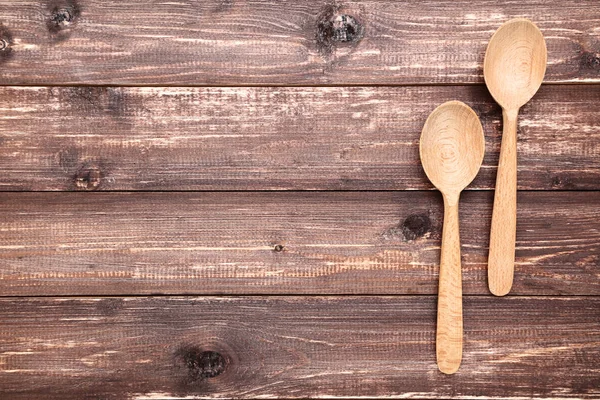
{"points": [[451, 148], [514, 67]]}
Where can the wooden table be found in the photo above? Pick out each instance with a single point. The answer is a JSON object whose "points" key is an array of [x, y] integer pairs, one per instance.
{"points": [[223, 198]]}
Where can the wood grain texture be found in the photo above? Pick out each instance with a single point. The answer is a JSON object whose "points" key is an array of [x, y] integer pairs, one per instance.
{"points": [[353, 138], [294, 347], [283, 242], [225, 42], [501, 261]]}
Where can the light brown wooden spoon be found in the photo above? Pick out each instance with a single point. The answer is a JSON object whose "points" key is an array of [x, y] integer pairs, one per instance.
{"points": [[514, 67], [451, 148]]}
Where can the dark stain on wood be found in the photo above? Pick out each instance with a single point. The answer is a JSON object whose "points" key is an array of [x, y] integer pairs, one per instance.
{"points": [[416, 226]]}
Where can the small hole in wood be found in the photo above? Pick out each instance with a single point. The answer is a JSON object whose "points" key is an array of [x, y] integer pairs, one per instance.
{"points": [[278, 248]]}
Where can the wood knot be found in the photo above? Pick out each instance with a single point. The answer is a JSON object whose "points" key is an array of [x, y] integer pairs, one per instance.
{"points": [[6, 41], [416, 226], [278, 248], [63, 15], [344, 28], [334, 29], [88, 177], [202, 364], [559, 182], [590, 60]]}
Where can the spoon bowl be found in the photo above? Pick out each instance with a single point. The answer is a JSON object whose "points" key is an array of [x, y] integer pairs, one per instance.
{"points": [[451, 148], [515, 63]]}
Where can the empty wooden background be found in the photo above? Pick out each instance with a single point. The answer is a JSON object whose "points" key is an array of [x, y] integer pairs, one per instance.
{"points": [[223, 198]]}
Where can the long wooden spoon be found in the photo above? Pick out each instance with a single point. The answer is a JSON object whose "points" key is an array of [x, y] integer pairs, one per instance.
{"points": [[514, 67], [451, 148]]}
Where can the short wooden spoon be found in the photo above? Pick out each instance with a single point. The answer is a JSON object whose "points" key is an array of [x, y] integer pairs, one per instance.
{"points": [[451, 148], [514, 67]]}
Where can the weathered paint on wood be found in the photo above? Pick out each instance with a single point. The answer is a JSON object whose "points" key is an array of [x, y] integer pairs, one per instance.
{"points": [[226, 42], [294, 347], [352, 138], [283, 242]]}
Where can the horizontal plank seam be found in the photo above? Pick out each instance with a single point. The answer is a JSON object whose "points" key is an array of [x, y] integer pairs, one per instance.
{"points": [[349, 85], [293, 191], [183, 295]]}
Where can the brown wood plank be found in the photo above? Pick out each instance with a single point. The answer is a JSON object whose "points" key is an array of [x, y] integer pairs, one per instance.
{"points": [[350, 138], [294, 347], [283, 242], [224, 42]]}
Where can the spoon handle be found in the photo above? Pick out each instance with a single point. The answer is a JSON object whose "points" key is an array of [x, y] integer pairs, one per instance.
{"points": [[449, 318], [501, 261]]}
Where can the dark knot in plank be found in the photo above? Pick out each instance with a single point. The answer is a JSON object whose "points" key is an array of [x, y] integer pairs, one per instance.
{"points": [[201, 364], [416, 226], [6, 41], [88, 177], [63, 16], [335, 29], [343, 28], [561, 182], [590, 61], [278, 248]]}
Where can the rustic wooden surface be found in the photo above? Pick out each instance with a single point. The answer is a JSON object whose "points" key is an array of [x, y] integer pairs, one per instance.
{"points": [[264, 347], [239, 42], [257, 171], [262, 243], [352, 138]]}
